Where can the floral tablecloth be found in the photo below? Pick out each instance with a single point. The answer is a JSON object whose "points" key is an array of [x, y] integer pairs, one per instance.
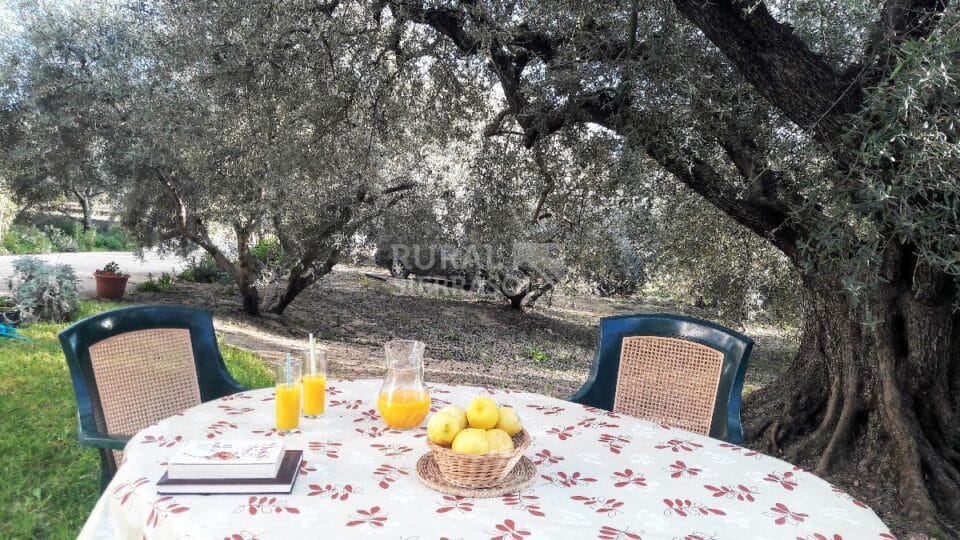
{"points": [[599, 475]]}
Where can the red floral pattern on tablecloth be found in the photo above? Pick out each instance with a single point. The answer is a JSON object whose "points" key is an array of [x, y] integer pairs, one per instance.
{"points": [[594, 422], [563, 433], [679, 469], [163, 441], [784, 515], [614, 443], [369, 415], [627, 478], [546, 458], [601, 505], [161, 507], [508, 530], [739, 492], [688, 508], [373, 517], [599, 475], [232, 410], [455, 502], [219, 428], [334, 491], [573, 479], [785, 479], [330, 449], [387, 474], [243, 535], [525, 502], [679, 445], [610, 533], [375, 432], [392, 450], [267, 505]]}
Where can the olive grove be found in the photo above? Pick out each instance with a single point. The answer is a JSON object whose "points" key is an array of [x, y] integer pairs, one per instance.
{"points": [[831, 134], [736, 146]]}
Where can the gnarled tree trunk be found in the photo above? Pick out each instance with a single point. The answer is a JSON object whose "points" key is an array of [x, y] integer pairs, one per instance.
{"points": [[874, 388], [249, 294], [86, 208], [302, 275]]}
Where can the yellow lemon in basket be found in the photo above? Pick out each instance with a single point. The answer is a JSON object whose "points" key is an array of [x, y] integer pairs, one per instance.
{"points": [[499, 441], [442, 428], [471, 441], [483, 413], [456, 412], [509, 421]]}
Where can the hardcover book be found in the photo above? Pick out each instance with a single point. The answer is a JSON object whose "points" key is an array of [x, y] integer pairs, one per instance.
{"points": [[282, 482], [227, 459]]}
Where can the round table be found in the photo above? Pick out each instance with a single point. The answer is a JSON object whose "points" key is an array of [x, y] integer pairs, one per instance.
{"points": [[599, 475]]}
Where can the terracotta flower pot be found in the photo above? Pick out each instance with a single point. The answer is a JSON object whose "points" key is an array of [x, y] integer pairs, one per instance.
{"points": [[111, 286]]}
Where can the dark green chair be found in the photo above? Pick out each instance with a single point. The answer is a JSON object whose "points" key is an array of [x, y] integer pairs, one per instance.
{"points": [[134, 366], [680, 371]]}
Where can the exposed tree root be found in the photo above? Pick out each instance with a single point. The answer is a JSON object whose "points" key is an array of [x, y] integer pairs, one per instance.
{"points": [[841, 433], [876, 399]]}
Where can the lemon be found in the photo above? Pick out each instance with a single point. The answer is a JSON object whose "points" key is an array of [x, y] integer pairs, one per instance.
{"points": [[509, 421], [499, 441], [459, 414], [471, 441], [442, 428], [483, 413]]}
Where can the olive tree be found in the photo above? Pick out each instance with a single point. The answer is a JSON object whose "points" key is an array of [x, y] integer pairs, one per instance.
{"points": [[829, 133], [56, 117], [274, 120]]}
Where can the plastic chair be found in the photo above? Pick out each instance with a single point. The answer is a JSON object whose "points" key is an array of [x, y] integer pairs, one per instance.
{"points": [[134, 366], [680, 371]]}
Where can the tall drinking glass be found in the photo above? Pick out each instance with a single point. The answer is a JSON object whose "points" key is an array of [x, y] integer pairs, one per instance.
{"points": [[288, 395], [315, 383]]}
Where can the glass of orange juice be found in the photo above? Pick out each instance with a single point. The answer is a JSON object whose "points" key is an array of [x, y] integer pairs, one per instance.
{"points": [[403, 402], [315, 382], [288, 395]]}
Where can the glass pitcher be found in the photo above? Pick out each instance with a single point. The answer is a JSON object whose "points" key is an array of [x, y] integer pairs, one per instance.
{"points": [[403, 402]]}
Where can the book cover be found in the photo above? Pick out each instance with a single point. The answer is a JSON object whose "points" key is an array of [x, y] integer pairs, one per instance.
{"points": [[283, 482], [227, 459]]}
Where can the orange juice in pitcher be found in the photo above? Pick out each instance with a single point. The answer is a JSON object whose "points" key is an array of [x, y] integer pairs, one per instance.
{"points": [[403, 402], [403, 409]]}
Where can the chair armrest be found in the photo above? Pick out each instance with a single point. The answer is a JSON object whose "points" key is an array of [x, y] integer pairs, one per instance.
{"points": [[96, 440]]}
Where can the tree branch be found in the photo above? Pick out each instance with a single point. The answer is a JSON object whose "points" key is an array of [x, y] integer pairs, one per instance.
{"points": [[776, 62], [901, 20]]}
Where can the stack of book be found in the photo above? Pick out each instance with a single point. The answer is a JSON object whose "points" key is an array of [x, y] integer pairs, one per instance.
{"points": [[207, 467]]}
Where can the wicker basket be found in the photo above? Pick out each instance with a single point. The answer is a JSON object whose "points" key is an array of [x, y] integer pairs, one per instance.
{"points": [[479, 470]]}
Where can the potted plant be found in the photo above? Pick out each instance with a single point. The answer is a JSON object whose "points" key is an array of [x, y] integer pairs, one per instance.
{"points": [[111, 282]]}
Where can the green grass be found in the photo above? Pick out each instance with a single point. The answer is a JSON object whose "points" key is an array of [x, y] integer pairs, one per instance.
{"points": [[48, 484], [30, 240]]}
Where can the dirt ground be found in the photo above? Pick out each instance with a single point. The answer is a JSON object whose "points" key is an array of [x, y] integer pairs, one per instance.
{"points": [[471, 339]]}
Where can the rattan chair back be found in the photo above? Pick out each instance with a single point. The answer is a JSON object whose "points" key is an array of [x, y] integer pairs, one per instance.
{"points": [[668, 380], [143, 377], [133, 366], [673, 369]]}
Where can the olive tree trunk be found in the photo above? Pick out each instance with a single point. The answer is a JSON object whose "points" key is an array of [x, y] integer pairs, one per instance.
{"points": [[302, 275], [245, 274], [874, 389]]}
